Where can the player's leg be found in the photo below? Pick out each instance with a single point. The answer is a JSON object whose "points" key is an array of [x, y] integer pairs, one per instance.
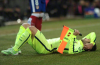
{"points": [[40, 43], [32, 20], [23, 39], [35, 20], [55, 42], [39, 23], [26, 32], [21, 31]]}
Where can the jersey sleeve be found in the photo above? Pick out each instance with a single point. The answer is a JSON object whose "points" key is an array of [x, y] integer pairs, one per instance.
{"points": [[92, 37]]}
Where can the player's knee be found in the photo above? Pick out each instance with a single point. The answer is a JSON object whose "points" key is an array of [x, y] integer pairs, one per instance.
{"points": [[25, 25], [33, 29]]}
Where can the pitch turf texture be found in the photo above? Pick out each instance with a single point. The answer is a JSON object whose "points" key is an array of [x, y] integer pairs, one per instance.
{"points": [[51, 29]]}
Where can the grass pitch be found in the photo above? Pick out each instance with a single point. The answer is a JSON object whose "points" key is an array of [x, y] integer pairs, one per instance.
{"points": [[51, 29]]}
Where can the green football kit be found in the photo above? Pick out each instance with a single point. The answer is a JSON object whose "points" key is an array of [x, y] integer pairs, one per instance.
{"points": [[44, 46]]}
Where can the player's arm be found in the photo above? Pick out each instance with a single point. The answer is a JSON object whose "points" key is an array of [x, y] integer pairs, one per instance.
{"points": [[92, 38]]}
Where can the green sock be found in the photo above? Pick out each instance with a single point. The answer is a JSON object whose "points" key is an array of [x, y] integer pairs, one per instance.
{"points": [[21, 31], [23, 39]]}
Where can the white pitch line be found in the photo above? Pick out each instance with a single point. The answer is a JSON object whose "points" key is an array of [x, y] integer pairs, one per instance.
{"points": [[7, 34], [47, 30], [72, 27]]}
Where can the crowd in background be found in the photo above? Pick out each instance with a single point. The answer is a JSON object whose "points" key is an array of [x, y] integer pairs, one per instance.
{"points": [[83, 5], [8, 12], [55, 8]]}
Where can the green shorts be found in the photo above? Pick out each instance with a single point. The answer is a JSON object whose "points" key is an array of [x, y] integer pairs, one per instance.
{"points": [[40, 44]]}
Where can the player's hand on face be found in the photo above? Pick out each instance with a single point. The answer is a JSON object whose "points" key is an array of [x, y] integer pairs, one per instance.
{"points": [[88, 46], [76, 32], [86, 40]]}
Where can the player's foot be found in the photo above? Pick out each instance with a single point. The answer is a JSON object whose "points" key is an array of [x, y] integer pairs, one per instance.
{"points": [[10, 51]]}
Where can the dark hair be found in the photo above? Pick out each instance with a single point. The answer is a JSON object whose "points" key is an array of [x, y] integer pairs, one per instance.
{"points": [[94, 48]]}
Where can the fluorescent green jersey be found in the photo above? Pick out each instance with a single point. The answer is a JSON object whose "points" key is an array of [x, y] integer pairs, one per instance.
{"points": [[45, 46], [42, 45]]}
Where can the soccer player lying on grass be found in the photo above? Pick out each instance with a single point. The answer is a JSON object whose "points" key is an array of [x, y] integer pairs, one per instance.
{"points": [[42, 45]]}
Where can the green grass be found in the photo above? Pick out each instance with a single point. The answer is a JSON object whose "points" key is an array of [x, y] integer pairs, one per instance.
{"points": [[51, 30]]}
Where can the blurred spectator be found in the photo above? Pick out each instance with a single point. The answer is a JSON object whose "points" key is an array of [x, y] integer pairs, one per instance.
{"points": [[52, 8], [27, 14], [94, 4], [1, 3], [4, 3], [79, 11], [1, 16], [1, 11], [8, 14], [89, 10], [97, 3], [5, 10], [55, 8], [17, 13], [87, 4], [64, 7], [47, 2]]}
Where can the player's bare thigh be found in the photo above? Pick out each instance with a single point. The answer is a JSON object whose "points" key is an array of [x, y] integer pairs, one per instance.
{"points": [[32, 28], [26, 25]]}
